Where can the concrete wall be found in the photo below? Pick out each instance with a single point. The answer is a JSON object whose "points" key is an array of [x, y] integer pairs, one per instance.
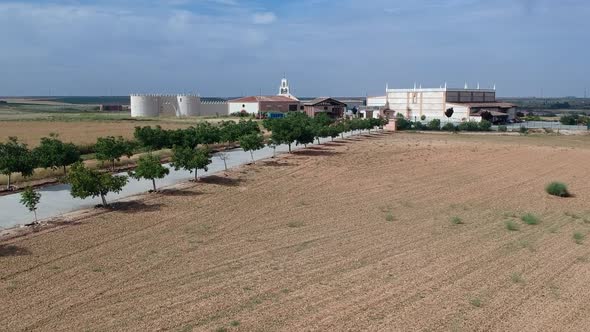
{"points": [[214, 108], [378, 101], [414, 104], [251, 108]]}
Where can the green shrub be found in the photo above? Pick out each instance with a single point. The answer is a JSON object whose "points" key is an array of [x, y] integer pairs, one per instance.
{"points": [[524, 130], [456, 221], [485, 125], [557, 189], [419, 126], [469, 126], [423, 117], [530, 219], [449, 127], [579, 237], [389, 217], [511, 225], [403, 124], [434, 124], [502, 129]]}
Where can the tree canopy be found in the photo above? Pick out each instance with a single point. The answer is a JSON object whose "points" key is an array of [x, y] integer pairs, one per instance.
{"points": [[30, 199], [53, 153], [149, 168], [190, 159], [112, 149], [15, 157], [251, 143], [86, 182]]}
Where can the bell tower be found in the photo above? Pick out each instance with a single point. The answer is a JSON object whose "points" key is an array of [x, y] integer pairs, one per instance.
{"points": [[284, 89]]}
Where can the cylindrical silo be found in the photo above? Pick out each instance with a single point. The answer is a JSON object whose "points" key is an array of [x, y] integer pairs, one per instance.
{"points": [[144, 106], [188, 105]]}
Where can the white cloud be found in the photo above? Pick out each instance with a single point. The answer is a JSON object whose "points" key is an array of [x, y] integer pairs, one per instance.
{"points": [[264, 18]]}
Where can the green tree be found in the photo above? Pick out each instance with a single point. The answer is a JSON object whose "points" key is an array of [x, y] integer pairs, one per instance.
{"points": [[152, 138], [30, 199], [282, 131], [252, 142], [15, 157], [207, 134], [112, 149], [149, 168], [86, 182], [305, 135], [190, 159], [53, 153]]}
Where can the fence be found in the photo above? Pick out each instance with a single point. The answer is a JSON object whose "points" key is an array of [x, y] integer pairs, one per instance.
{"points": [[542, 125]]}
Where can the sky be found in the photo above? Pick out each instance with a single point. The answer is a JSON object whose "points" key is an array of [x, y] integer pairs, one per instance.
{"points": [[324, 47]]}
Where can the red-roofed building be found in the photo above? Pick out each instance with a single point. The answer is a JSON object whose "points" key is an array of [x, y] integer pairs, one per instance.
{"points": [[263, 104]]}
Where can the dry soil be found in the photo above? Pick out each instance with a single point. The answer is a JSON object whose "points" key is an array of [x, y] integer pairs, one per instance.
{"points": [[354, 235]]}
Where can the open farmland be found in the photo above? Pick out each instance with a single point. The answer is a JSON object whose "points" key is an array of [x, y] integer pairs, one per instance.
{"points": [[388, 232], [77, 132]]}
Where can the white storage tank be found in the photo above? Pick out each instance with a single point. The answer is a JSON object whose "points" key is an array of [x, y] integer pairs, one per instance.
{"points": [[145, 106], [188, 105]]}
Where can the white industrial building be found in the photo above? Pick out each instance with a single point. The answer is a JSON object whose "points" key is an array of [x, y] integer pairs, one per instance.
{"points": [[420, 104], [185, 105]]}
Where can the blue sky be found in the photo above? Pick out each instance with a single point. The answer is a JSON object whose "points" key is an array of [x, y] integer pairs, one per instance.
{"points": [[326, 47]]}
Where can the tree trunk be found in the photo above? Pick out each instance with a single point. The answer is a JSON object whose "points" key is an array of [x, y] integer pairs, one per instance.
{"points": [[196, 176], [35, 212], [252, 155], [225, 162], [274, 151], [342, 135], [9, 177], [289, 147], [104, 200], [65, 170], [113, 161], [332, 138], [319, 140], [154, 183]]}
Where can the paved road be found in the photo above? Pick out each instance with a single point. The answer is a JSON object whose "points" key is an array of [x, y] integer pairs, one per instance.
{"points": [[56, 200]]}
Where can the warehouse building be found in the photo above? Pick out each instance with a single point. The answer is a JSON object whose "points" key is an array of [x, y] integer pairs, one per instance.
{"points": [[465, 104], [333, 108]]}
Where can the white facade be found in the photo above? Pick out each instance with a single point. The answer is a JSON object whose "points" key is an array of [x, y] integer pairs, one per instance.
{"points": [[237, 107], [378, 101], [145, 106], [174, 105], [188, 105], [430, 104]]}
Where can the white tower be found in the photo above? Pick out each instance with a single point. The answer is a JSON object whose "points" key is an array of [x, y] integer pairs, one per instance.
{"points": [[284, 89]]}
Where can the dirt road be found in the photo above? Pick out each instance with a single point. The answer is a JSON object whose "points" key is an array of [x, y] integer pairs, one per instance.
{"points": [[355, 235]]}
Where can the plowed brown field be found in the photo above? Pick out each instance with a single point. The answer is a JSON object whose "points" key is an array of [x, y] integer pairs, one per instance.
{"points": [[355, 235]]}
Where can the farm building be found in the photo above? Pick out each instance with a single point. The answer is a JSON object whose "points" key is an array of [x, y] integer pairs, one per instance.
{"points": [[464, 104], [263, 104], [332, 107], [283, 102]]}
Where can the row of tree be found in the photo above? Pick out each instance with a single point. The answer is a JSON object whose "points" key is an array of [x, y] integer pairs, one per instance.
{"points": [[190, 150], [298, 128]]}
